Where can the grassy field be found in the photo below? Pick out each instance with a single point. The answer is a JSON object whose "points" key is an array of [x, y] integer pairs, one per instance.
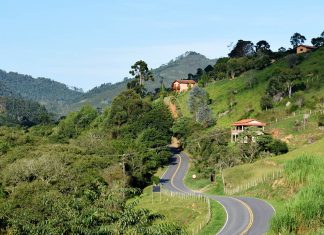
{"points": [[188, 212], [247, 101], [244, 173], [218, 217]]}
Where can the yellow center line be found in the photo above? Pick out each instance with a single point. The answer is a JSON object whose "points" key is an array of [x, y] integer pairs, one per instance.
{"points": [[251, 216], [174, 174]]}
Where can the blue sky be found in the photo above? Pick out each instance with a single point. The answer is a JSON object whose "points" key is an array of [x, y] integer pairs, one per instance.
{"points": [[87, 43]]}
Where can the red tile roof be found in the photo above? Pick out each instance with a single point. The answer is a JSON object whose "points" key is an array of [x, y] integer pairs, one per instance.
{"points": [[309, 47], [249, 122], [185, 81]]}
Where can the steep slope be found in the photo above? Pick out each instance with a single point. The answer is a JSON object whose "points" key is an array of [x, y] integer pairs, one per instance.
{"points": [[281, 119], [54, 95]]}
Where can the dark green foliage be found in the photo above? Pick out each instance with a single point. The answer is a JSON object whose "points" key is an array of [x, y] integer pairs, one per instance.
{"points": [[81, 186], [266, 102], [75, 123], [277, 147], [127, 106], [297, 39], [183, 127], [263, 47], [53, 95], [16, 111], [321, 120], [242, 48]]}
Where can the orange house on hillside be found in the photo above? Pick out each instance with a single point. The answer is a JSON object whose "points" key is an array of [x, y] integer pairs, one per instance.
{"points": [[240, 126], [303, 49], [183, 85]]}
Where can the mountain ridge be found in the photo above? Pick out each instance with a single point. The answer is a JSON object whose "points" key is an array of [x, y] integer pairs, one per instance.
{"points": [[61, 98]]}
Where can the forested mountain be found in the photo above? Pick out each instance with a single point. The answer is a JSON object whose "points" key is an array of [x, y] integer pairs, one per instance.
{"points": [[100, 96], [54, 95], [60, 99], [178, 68]]}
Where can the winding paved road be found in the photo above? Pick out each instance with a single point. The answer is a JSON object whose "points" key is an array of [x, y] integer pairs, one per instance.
{"points": [[244, 215]]}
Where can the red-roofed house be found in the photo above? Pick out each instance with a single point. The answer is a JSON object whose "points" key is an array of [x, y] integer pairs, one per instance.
{"points": [[183, 85], [304, 49], [240, 126]]}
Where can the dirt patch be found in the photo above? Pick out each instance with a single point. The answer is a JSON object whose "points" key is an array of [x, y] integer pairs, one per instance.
{"points": [[278, 183], [172, 107], [287, 138], [275, 133], [175, 143]]}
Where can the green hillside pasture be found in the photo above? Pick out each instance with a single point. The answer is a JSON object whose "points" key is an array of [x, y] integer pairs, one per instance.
{"points": [[189, 212], [304, 212], [242, 174]]}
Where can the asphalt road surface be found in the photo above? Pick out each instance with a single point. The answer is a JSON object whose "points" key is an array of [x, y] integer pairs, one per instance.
{"points": [[244, 215]]}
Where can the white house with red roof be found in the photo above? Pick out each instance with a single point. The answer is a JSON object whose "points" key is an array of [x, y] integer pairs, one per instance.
{"points": [[183, 85], [239, 127]]}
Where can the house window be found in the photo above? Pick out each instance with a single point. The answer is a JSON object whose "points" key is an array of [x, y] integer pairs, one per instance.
{"points": [[301, 49]]}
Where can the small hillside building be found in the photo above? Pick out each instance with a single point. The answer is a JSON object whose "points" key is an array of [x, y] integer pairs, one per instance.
{"points": [[183, 85], [303, 49], [240, 126]]}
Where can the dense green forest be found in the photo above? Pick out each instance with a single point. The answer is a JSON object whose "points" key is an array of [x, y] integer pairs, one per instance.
{"points": [[54, 95], [75, 177]]}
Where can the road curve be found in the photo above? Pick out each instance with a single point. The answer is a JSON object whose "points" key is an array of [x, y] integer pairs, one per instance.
{"points": [[244, 215]]}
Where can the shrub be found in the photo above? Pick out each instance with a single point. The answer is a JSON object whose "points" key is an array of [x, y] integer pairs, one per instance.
{"points": [[321, 120], [4, 147], [278, 147]]}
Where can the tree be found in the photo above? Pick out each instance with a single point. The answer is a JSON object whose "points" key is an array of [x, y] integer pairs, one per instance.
{"points": [[289, 77], [266, 102], [198, 97], [319, 41], [297, 39], [242, 48], [262, 46], [233, 67], [204, 116], [127, 106], [282, 50], [141, 72]]}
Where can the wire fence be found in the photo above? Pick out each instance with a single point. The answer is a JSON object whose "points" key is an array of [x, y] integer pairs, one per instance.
{"points": [[305, 115], [198, 197], [252, 183]]}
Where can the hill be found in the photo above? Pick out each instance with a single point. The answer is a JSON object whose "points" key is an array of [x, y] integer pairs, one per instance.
{"points": [[234, 99], [60, 99], [54, 95], [179, 68]]}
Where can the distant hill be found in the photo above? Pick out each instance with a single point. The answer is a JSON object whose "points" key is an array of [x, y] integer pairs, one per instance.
{"points": [[60, 99], [100, 96], [178, 68], [54, 95]]}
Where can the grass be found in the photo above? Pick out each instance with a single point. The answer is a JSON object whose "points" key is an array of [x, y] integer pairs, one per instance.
{"points": [[305, 211], [218, 217], [187, 212], [241, 174], [248, 100]]}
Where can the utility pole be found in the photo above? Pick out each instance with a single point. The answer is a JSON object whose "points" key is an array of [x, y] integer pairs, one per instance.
{"points": [[124, 174]]}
